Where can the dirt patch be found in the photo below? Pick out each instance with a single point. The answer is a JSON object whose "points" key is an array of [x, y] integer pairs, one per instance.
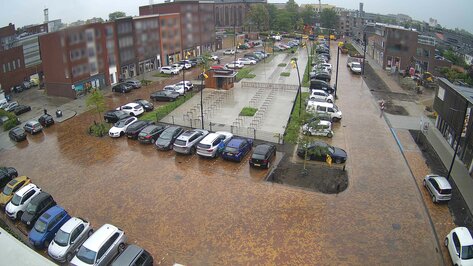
{"points": [[457, 206], [315, 177]]}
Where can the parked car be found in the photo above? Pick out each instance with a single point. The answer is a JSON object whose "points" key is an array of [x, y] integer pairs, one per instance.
{"points": [[167, 137], [46, 120], [20, 200], [133, 109], [262, 155], [217, 67], [113, 116], [319, 128], [321, 94], [11, 188], [122, 87], [7, 173], [101, 247], [247, 61], [69, 238], [234, 65], [196, 61], [316, 84], [319, 150], [33, 127], [17, 134], [187, 141], [177, 66], [184, 65], [17, 89], [169, 96], [147, 106], [47, 226], [229, 52], [459, 243], [324, 108], [37, 206], [135, 84], [150, 133], [120, 127], [236, 149], [355, 68], [168, 70], [214, 58], [438, 187], [321, 75], [213, 144], [133, 256], [10, 106], [21, 109], [134, 129], [173, 88], [187, 85]]}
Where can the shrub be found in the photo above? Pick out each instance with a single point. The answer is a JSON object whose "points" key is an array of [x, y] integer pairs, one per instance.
{"points": [[98, 129], [248, 111], [282, 65], [162, 75], [285, 74], [12, 120], [162, 111], [145, 82], [244, 73]]}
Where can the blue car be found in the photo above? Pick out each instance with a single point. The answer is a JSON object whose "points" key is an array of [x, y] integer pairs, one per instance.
{"points": [[47, 225], [236, 149]]}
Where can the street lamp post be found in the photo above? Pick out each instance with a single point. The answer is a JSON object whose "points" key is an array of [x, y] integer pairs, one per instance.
{"points": [[201, 98], [364, 54], [336, 73], [458, 141], [295, 65]]}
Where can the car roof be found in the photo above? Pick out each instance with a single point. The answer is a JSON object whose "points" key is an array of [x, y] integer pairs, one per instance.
{"points": [[441, 181], [102, 234], [262, 148], [32, 122], [235, 142], [41, 196], [128, 255], [71, 224], [464, 236], [51, 213], [132, 104], [25, 188], [209, 138], [15, 181]]}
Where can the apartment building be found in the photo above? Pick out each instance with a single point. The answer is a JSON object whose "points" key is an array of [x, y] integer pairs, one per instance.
{"points": [[231, 13]]}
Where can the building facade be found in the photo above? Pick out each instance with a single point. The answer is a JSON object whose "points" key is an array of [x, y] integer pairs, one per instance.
{"points": [[453, 104], [231, 14]]}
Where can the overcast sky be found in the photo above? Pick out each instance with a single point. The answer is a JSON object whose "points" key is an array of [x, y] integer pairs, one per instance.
{"points": [[449, 13]]}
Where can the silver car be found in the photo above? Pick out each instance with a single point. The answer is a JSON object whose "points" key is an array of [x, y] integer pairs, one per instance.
{"points": [[187, 141], [69, 238], [438, 187]]}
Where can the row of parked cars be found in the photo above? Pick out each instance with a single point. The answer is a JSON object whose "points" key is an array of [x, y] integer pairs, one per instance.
{"points": [[15, 107], [247, 59], [280, 46], [67, 239], [127, 86], [182, 65], [32, 126]]}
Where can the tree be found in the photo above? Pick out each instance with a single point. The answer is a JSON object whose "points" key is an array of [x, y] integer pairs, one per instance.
{"points": [[292, 10], [96, 102], [117, 14], [273, 13], [283, 21], [329, 18], [258, 17], [308, 15]]}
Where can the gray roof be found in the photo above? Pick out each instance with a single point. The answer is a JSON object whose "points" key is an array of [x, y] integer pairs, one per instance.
{"points": [[466, 92]]}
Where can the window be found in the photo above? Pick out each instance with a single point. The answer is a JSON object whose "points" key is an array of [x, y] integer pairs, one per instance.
{"points": [[434, 184], [77, 232], [4, 68], [456, 242]]}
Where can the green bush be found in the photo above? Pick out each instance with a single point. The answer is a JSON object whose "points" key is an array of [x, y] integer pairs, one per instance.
{"points": [[99, 129], [282, 65], [12, 120], [248, 111], [244, 73], [285, 74], [145, 82], [162, 111], [159, 75]]}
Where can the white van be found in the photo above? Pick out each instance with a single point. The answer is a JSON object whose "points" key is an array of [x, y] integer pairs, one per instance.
{"points": [[324, 108]]}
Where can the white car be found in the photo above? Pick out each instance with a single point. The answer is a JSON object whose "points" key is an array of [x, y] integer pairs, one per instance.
{"points": [[69, 238], [134, 109], [355, 67], [168, 70], [209, 146], [187, 85], [234, 64], [438, 188], [120, 127], [177, 66], [229, 52], [17, 206], [173, 88], [246, 61], [460, 246], [214, 57], [10, 106], [327, 66], [321, 128], [322, 95]]}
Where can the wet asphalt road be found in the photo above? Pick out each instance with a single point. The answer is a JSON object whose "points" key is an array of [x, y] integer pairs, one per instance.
{"points": [[204, 212]]}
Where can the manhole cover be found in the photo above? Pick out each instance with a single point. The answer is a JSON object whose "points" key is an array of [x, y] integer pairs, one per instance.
{"points": [[396, 226]]}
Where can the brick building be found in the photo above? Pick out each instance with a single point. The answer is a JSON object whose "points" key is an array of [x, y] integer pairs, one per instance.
{"points": [[231, 13]]}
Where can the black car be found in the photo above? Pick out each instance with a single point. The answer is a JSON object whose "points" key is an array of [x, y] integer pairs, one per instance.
{"points": [[319, 150], [134, 129], [113, 116], [37, 206], [167, 138], [147, 106], [46, 120], [196, 61], [122, 87], [21, 109], [17, 89], [317, 84], [6, 175], [164, 96], [133, 255], [322, 75], [17, 134], [262, 155], [150, 133]]}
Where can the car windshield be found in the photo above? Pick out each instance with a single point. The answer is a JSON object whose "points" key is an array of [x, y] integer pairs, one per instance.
{"points": [[31, 208], [18, 130], [258, 156], [40, 226], [167, 135], [7, 190], [231, 149], [16, 200], [180, 142], [86, 255], [467, 252], [62, 238], [120, 123]]}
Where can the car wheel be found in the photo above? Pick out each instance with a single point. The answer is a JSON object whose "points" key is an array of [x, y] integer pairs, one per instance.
{"points": [[329, 101], [122, 133], [91, 231], [423, 183], [68, 257], [152, 141], [338, 160], [46, 243], [434, 200], [446, 242], [329, 135], [18, 215], [132, 114], [106, 120], [193, 150], [121, 247], [162, 72]]}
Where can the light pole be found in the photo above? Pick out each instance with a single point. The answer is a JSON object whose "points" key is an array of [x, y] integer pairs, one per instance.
{"points": [[458, 139], [201, 98], [336, 73], [296, 66], [364, 54]]}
